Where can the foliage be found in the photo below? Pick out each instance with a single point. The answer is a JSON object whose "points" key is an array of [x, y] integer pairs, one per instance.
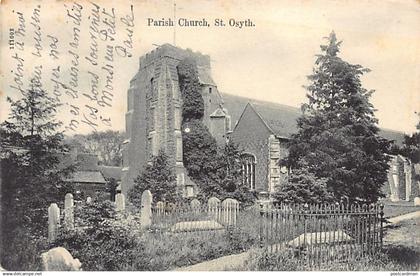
{"points": [[31, 146], [107, 145], [217, 172], [411, 145], [337, 135], [158, 177], [111, 187], [303, 187], [193, 103], [98, 241]]}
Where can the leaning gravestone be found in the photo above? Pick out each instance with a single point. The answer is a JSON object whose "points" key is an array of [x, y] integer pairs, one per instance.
{"points": [[53, 222], [59, 259], [69, 212], [230, 210], [213, 208], [120, 202], [146, 209]]}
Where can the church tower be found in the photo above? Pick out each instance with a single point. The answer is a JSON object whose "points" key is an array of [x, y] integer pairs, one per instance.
{"points": [[154, 113]]}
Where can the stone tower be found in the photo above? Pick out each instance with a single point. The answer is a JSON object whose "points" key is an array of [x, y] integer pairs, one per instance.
{"points": [[154, 113]]}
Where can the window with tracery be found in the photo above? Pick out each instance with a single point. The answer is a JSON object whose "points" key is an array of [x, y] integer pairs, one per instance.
{"points": [[248, 170]]}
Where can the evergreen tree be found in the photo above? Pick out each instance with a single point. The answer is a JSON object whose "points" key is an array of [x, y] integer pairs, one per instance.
{"points": [[338, 136], [157, 177], [303, 187], [32, 178]]}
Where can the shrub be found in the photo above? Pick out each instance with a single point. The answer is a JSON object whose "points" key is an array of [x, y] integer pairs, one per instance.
{"points": [[99, 241]]}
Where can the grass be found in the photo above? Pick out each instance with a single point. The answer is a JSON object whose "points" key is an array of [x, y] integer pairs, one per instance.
{"points": [[391, 258], [393, 209]]}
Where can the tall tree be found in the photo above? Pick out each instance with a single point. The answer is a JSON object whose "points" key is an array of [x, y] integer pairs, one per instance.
{"points": [[338, 136], [31, 146], [107, 145], [159, 178]]}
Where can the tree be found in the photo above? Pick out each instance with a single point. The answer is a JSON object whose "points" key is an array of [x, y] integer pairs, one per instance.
{"points": [[31, 146], [159, 178], [217, 172], [303, 187], [411, 145], [337, 135], [230, 175], [107, 145]]}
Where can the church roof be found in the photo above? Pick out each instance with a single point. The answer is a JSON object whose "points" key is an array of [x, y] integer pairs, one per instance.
{"points": [[280, 118], [90, 177], [111, 172]]}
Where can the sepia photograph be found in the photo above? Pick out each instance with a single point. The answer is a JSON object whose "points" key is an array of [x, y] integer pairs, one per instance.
{"points": [[224, 135]]}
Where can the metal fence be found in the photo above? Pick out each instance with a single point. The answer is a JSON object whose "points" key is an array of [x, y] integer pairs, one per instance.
{"points": [[322, 233]]}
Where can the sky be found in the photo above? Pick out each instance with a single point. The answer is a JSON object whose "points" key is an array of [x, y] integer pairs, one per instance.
{"points": [[269, 61]]}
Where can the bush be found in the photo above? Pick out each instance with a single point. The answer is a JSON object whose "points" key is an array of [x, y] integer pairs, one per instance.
{"points": [[99, 241]]}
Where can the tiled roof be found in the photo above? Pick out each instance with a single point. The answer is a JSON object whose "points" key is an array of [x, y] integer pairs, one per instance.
{"points": [[111, 172], [281, 119], [93, 177]]}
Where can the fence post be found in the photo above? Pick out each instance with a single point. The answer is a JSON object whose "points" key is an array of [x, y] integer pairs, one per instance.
{"points": [[261, 225], [381, 206]]}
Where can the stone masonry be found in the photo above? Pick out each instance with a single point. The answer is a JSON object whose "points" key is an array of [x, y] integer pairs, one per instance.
{"points": [[154, 113]]}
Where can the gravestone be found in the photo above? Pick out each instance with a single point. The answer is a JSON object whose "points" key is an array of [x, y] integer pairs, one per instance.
{"points": [[230, 210], [59, 259], [88, 199], [120, 202], [213, 208], [417, 201], [195, 205], [69, 212], [53, 222], [146, 209]]}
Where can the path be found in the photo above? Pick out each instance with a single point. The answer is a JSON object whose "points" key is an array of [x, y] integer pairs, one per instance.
{"points": [[408, 216]]}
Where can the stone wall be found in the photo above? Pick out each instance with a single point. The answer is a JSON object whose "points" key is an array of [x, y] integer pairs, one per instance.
{"points": [[154, 108], [252, 135]]}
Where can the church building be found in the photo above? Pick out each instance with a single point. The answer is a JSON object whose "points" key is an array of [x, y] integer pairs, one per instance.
{"points": [[154, 115]]}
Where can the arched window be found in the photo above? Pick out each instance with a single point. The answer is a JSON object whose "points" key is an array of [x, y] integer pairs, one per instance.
{"points": [[248, 170]]}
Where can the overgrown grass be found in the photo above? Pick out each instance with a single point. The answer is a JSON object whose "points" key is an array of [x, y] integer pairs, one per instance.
{"points": [[389, 259]]}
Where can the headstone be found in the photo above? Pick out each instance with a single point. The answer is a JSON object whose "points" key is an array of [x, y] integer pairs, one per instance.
{"points": [[53, 222], [88, 199], [69, 212], [417, 201], [146, 209], [160, 208], [230, 210], [213, 208], [59, 259], [195, 205], [120, 202]]}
